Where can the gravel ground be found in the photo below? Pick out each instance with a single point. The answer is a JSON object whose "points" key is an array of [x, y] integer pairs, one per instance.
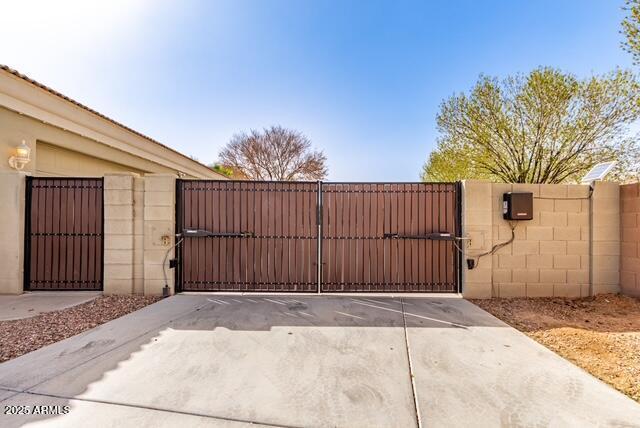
{"points": [[18, 337], [600, 334]]}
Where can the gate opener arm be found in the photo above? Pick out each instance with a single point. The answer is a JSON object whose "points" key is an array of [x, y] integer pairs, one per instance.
{"points": [[195, 233], [201, 233], [440, 236]]}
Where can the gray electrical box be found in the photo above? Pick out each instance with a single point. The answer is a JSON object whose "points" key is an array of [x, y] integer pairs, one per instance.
{"points": [[517, 206]]}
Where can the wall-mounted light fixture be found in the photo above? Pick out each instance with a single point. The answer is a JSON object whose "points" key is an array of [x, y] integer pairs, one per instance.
{"points": [[22, 156]]}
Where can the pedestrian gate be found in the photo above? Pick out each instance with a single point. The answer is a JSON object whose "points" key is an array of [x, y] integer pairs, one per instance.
{"points": [[298, 236], [63, 234]]}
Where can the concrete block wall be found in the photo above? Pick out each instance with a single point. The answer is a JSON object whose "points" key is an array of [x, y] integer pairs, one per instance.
{"points": [[139, 229], [139, 222], [478, 226], [138, 235], [119, 233], [563, 251], [550, 255], [605, 260], [630, 237], [159, 231]]}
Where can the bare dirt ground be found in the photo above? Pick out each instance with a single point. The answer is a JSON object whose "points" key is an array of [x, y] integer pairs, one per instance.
{"points": [[600, 334], [17, 337]]}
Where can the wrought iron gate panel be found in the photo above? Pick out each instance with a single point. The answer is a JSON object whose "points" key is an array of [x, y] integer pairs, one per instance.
{"points": [[278, 251], [371, 237], [64, 234]]}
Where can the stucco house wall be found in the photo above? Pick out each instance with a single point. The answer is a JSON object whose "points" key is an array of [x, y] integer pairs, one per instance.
{"points": [[69, 139], [56, 161], [35, 113]]}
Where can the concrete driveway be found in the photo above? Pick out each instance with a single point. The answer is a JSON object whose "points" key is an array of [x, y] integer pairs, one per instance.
{"points": [[13, 307], [212, 360]]}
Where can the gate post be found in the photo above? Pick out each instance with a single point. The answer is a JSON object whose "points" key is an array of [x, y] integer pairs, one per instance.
{"points": [[477, 224], [319, 221], [605, 238], [119, 218], [12, 212], [159, 231]]}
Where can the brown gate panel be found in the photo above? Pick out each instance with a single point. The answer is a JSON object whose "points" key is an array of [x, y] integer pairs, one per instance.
{"points": [[373, 237], [63, 236], [278, 247]]}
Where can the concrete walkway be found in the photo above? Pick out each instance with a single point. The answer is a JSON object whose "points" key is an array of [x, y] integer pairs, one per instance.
{"points": [[212, 360], [31, 304]]}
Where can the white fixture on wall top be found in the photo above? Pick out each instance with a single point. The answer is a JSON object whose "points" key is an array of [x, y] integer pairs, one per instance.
{"points": [[598, 172], [22, 156]]}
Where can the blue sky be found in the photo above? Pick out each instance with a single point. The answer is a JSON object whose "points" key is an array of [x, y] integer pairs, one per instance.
{"points": [[362, 79]]}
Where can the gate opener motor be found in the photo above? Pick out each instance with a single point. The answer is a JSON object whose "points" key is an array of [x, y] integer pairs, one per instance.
{"points": [[517, 206]]}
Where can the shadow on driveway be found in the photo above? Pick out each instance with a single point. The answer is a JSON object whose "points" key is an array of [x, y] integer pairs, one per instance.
{"points": [[307, 361]]}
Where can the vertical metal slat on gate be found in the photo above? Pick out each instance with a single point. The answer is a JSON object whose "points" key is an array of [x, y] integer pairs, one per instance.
{"points": [[319, 238]]}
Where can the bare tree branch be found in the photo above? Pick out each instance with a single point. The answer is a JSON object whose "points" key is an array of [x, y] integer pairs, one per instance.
{"points": [[275, 153]]}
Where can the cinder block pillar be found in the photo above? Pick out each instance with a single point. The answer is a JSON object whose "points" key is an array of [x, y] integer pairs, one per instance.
{"points": [[630, 239], [605, 246], [477, 224], [12, 211], [159, 231], [138, 235], [119, 233]]}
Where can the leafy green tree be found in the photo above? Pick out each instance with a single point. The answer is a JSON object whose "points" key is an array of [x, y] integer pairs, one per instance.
{"points": [[450, 163], [631, 29], [545, 127], [226, 171]]}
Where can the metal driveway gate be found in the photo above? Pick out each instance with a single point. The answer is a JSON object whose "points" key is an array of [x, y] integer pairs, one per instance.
{"points": [[63, 234], [265, 235], [376, 237], [273, 236]]}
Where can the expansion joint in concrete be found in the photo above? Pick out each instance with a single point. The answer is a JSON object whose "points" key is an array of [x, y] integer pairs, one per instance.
{"points": [[152, 408], [412, 377]]}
